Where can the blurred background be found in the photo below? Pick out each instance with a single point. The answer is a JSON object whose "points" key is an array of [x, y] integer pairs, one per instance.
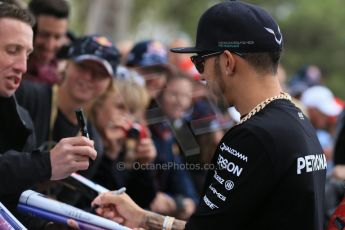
{"points": [[312, 29]]}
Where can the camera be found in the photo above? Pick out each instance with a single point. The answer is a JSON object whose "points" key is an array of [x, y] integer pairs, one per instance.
{"points": [[135, 133]]}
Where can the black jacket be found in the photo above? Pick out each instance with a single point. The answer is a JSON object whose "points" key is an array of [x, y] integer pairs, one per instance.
{"points": [[20, 166]]}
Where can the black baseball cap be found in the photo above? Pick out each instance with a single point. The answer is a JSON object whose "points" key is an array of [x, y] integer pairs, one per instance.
{"points": [[96, 48], [147, 53], [238, 27]]}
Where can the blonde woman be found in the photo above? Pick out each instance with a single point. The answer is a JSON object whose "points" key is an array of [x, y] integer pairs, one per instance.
{"points": [[116, 114]]}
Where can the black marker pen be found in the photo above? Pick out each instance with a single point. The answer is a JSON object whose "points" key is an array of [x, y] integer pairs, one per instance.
{"points": [[82, 122]]}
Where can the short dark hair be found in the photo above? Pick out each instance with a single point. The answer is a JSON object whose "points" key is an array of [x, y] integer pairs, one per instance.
{"points": [[266, 62], [18, 3], [56, 8], [12, 11]]}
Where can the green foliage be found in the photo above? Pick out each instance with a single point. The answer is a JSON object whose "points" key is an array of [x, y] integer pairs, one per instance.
{"points": [[79, 9], [313, 34], [184, 14]]}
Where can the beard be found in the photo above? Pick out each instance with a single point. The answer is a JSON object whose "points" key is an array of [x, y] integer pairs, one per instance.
{"points": [[218, 86]]}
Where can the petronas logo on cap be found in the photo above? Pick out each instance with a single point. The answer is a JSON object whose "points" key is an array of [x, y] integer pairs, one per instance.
{"points": [[234, 44]]}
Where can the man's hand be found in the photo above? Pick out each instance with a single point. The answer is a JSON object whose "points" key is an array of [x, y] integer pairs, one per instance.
{"points": [[146, 151], [188, 209], [71, 224], [70, 155], [163, 204], [120, 208], [339, 172]]}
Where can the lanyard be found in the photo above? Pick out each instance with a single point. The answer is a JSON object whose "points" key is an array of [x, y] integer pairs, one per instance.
{"points": [[53, 114]]}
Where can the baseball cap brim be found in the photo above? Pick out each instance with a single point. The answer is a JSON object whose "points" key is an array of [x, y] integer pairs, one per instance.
{"points": [[330, 109], [97, 59], [186, 50], [159, 68]]}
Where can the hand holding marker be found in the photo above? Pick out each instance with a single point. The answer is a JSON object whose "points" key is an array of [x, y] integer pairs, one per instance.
{"points": [[116, 192], [83, 128], [82, 124]]}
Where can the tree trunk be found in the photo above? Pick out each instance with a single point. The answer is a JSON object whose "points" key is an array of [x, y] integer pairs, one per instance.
{"points": [[110, 18]]}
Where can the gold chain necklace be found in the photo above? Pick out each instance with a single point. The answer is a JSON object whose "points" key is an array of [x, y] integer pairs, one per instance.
{"points": [[263, 104]]}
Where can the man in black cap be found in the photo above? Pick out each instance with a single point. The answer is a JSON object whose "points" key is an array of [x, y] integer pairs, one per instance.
{"points": [[270, 168]]}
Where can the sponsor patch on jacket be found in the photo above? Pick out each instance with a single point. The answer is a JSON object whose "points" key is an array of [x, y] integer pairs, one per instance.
{"points": [[311, 163], [231, 167], [233, 152]]}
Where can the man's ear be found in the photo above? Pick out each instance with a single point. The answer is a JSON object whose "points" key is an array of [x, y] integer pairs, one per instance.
{"points": [[229, 63]]}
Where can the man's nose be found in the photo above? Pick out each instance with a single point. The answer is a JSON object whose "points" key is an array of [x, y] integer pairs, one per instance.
{"points": [[51, 43], [88, 74], [20, 64]]}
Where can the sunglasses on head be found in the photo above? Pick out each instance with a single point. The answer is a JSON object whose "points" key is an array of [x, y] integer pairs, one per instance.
{"points": [[199, 60]]}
